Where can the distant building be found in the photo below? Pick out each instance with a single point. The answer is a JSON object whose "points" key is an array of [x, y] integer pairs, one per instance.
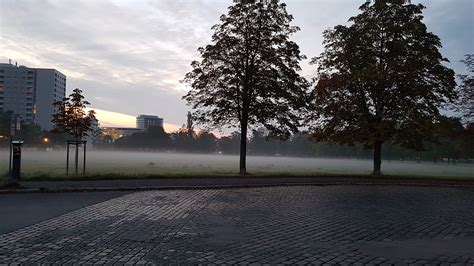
{"points": [[145, 121], [117, 132], [95, 134], [31, 92]]}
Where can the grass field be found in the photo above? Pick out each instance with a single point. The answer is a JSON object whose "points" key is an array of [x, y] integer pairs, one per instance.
{"points": [[51, 164]]}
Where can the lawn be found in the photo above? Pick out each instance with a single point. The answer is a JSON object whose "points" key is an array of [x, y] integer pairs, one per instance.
{"points": [[51, 164]]}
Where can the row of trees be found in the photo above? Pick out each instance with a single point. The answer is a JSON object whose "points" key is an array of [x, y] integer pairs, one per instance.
{"points": [[454, 143], [382, 79]]}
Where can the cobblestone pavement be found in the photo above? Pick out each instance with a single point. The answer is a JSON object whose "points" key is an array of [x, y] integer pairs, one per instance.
{"points": [[276, 225]]}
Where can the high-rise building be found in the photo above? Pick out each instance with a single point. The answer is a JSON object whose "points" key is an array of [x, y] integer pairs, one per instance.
{"points": [[17, 91], [31, 92], [50, 87], [145, 121]]}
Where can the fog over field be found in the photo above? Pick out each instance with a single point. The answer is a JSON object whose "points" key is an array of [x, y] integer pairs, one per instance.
{"points": [[52, 163]]}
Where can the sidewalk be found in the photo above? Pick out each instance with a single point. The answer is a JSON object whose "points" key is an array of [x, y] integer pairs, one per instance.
{"points": [[223, 182]]}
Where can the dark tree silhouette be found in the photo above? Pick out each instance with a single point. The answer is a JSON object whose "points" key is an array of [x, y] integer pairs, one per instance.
{"points": [[71, 118], [465, 103], [5, 120], [248, 76], [448, 133], [153, 138], [380, 79]]}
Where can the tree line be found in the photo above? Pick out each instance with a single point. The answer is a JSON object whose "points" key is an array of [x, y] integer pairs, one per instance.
{"points": [[454, 144]]}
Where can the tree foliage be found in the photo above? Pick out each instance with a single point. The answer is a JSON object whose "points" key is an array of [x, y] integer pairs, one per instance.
{"points": [[153, 138], [248, 76], [381, 78], [465, 103], [5, 121], [70, 116]]}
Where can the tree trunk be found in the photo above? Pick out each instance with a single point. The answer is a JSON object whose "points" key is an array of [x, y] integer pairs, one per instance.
{"points": [[76, 159], [243, 146], [243, 151], [377, 158]]}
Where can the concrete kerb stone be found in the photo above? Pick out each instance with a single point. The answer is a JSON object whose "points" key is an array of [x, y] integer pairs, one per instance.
{"points": [[409, 183]]}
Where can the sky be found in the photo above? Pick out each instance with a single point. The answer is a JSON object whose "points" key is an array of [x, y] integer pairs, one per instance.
{"points": [[129, 56]]}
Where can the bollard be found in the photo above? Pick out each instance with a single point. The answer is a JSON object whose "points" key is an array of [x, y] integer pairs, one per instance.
{"points": [[16, 159]]}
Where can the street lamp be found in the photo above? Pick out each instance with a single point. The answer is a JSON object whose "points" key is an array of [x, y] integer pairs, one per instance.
{"points": [[45, 140]]}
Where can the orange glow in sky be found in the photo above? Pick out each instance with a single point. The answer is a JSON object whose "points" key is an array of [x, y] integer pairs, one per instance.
{"points": [[114, 119]]}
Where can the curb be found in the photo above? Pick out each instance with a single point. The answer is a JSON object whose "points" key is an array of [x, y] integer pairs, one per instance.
{"points": [[236, 186]]}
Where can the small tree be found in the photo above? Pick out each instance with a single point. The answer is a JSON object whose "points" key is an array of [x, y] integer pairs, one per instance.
{"points": [[248, 76], [71, 118], [381, 78]]}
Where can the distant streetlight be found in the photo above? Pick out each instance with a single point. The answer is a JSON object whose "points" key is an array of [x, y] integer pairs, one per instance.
{"points": [[45, 140]]}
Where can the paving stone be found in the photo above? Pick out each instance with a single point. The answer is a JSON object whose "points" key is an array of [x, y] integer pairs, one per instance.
{"points": [[338, 225]]}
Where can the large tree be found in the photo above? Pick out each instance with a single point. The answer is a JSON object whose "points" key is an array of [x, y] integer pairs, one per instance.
{"points": [[380, 78], [248, 76]]}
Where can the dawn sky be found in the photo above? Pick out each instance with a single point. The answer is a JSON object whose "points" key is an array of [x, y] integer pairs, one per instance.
{"points": [[128, 56]]}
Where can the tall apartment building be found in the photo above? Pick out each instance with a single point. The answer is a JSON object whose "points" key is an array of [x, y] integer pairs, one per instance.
{"points": [[145, 121], [50, 87], [17, 91], [31, 92]]}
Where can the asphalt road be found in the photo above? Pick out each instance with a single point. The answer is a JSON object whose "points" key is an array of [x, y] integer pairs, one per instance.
{"points": [[20, 210]]}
